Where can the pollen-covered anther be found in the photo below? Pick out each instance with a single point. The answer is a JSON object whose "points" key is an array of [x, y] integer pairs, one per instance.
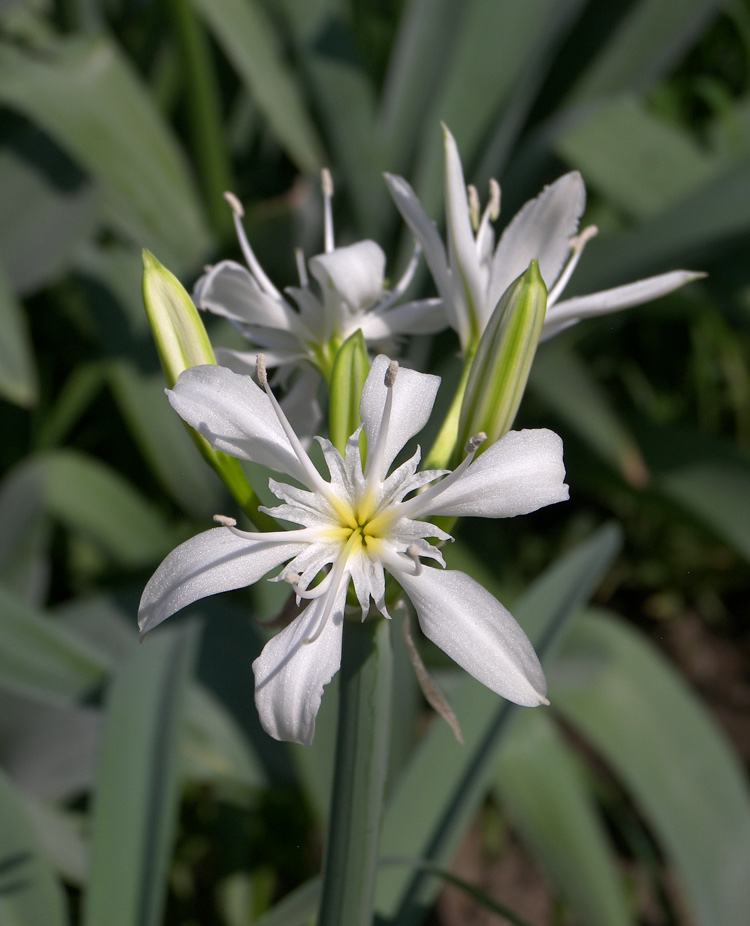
{"points": [[494, 203], [234, 203], [326, 182], [474, 207], [474, 443], [260, 370], [581, 240], [224, 521], [390, 374]]}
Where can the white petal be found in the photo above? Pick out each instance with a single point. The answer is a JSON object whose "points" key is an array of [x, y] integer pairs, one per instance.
{"points": [[523, 471], [477, 632], [425, 316], [465, 257], [290, 674], [215, 561], [413, 397], [229, 289], [235, 416], [542, 229], [355, 272], [567, 313], [424, 230]]}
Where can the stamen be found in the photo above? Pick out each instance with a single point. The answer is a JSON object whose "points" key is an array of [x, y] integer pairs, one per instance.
{"points": [[299, 257], [474, 206], [403, 284], [493, 206], [250, 258], [412, 551], [374, 465], [412, 506], [260, 370], [577, 245], [327, 185], [224, 520], [303, 535], [491, 212], [336, 575]]}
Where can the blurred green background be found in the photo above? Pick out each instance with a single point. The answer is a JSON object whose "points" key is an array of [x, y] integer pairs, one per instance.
{"points": [[136, 785]]}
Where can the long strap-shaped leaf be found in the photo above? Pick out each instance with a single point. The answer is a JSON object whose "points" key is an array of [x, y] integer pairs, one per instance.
{"points": [[138, 783]]}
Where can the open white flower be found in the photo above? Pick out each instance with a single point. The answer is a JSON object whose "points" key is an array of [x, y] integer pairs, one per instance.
{"points": [[474, 274], [349, 293], [357, 525]]}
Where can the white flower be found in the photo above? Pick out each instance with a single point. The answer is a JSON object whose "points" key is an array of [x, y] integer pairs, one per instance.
{"points": [[357, 525], [474, 274], [350, 294]]}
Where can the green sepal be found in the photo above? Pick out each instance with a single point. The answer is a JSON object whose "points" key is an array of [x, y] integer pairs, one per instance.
{"points": [[182, 342], [497, 379], [350, 371]]}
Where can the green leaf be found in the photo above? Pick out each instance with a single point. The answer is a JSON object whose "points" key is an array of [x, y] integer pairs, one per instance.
{"points": [[41, 658], [584, 406], [639, 162], [632, 707], [137, 792], [18, 376], [29, 892], [546, 796], [90, 499], [437, 795], [350, 369], [249, 41], [85, 94]]}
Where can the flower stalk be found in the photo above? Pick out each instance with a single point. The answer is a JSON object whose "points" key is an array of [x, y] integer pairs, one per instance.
{"points": [[359, 777]]}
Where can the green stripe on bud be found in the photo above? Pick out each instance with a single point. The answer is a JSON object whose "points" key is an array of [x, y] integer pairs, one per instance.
{"points": [[350, 371], [182, 342], [501, 366], [179, 333]]}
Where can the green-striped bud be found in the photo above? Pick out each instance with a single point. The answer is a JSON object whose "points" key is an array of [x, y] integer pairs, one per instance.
{"points": [[350, 371], [179, 333], [501, 366]]}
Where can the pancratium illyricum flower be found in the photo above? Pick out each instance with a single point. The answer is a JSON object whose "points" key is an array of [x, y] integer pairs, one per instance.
{"points": [[474, 274], [312, 320], [354, 526]]}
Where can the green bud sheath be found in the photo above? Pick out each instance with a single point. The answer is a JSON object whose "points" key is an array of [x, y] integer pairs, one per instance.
{"points": [[181, 342], [350, 371], [501, 366]]}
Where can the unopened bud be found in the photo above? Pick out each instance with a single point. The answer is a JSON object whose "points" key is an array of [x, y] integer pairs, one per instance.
{"points": [[501, 366]]}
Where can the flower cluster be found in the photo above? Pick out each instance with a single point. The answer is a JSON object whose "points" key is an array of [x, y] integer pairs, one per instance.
{"points": [[362, 535]]}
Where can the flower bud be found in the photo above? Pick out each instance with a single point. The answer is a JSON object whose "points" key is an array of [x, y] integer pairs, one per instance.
{"points": [[181, 339], [350, 371], [501, 366]]}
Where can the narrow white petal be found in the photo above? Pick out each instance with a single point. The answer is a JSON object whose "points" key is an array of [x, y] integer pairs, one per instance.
{"points": [[477, 632], [542, 229], [465, 257], [425, 316], [424, 230], [355, 272], [523, 471], [290, 674], [214, 561], [567, 313], [413, 397], [235, 416], [229, 289]]}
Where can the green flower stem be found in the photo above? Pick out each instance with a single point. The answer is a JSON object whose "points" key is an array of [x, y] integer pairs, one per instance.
{"points": [[444, 449], [204, 113], [359, 776]]}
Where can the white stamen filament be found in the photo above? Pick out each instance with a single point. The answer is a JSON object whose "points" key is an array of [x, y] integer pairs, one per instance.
{"points": [[337, 576], [248, 253], [411, 507], [412, 551], [374, 465], [303, 535], [403, 284], [577, 245], [327, 185]]}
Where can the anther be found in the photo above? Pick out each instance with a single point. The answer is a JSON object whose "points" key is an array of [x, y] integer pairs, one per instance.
{"points": [[390, 374], [494, 203], [412, 551], [474, 207], [260, 370], [299, 258], [579, 241], [224, 520], [326, 182], [234, 203], [474, 443]]}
